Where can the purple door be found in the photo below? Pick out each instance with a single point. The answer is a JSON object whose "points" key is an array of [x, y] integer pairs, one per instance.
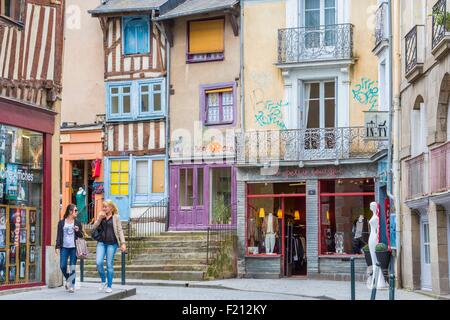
{"points": [[187, 194]]}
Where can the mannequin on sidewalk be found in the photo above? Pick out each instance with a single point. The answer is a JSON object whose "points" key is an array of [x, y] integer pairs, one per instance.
{"points": [[270, 230], [380, 283]]}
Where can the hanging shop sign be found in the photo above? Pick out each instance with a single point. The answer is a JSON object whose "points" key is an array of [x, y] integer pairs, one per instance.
{"points": [[376, 125]]}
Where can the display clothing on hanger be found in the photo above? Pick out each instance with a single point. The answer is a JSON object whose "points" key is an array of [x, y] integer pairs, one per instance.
{"points": [[81, 206], [270, 229], [360, 233]]}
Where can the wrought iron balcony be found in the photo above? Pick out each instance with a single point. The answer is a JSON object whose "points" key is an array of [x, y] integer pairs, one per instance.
{"points": [[440, 168], [310, 44], [415, 53], [440, 28], [416, 175], [328, 145], [381, 30]]}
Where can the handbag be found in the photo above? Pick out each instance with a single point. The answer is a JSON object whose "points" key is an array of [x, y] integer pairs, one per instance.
{"points": [[97, 233], [82, 248]]}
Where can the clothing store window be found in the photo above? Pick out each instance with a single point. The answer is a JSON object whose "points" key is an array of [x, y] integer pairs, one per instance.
{"points": [[21, 188], [344, 215], [221, 204], [263, 226]]}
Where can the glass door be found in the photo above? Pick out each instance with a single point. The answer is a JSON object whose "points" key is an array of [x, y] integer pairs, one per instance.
{"points": [[319, 22], [425, 255], [119, 181], [320, 118]]}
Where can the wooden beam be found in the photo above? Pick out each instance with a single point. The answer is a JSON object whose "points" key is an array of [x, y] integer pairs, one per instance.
{"points": [[234, 22], [168, 27]]}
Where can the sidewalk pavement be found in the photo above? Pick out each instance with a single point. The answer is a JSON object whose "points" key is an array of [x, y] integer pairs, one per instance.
{"points": [[87, 291], [317, 289]]}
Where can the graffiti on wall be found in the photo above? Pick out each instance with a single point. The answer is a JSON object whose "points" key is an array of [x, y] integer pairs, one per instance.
{"points": [[366, 93], [268, 112]]}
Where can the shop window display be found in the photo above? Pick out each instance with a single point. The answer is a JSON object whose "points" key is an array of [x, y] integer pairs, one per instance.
{"points": [[21, 175], [344, 207]]}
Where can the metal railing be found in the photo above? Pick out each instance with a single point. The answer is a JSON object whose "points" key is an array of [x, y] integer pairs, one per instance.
{"points": [[329, 42], [411, 49], [440, 168], [416, 170], [440, 20], [381, 32], [221, 251], [307, 145], [151, 223]]}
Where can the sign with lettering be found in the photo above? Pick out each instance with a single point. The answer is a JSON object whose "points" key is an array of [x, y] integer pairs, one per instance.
{"points": [[376, 125]]}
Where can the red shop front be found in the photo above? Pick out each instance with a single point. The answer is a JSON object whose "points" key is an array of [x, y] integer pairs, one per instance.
{"points": [[25, 192]]}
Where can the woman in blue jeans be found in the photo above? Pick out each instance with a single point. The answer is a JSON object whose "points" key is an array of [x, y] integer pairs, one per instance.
{"points": [[69, 230], [112, 237]]}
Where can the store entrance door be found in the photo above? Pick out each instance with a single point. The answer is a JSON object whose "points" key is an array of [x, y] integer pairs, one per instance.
{"points": [[295, 236]]}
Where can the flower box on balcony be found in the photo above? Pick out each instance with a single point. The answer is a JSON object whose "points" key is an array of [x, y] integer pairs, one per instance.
{"points": [[440, 30]]}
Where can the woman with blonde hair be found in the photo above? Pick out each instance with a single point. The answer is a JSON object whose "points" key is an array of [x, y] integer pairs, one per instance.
{"points": [[111, 237]]}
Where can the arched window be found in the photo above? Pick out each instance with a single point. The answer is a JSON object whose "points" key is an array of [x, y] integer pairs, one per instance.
{"points": [[136, 35], [418, 128]]}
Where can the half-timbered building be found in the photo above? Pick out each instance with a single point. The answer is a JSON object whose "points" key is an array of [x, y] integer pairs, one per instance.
{"points": [[31, 42], [135, 82]]}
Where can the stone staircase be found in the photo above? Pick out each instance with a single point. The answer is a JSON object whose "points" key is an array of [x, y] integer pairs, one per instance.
{"points": [[168, 256]]}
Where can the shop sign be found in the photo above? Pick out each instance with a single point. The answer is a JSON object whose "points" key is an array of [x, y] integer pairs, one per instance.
{"points": [[376, 125], [311, 172], [15, 174], [17, 230]]}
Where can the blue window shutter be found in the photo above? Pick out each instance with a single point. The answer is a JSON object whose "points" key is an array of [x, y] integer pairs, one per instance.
{"points": [[142, 36], [136, 35]]}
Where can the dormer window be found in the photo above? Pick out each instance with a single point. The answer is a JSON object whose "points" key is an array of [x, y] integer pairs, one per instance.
{"points": [[136, 31]]}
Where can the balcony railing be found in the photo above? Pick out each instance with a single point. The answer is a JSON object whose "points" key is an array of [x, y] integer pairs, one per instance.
{"points": [[440, 168], [330, 144], [416, 171], [381, 32], [309, 44], [414, 49], [440, 21], [411, 49]]}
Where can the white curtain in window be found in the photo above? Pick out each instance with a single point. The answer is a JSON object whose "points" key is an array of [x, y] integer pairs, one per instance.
{"points": [[306, 103], [142, 177]]}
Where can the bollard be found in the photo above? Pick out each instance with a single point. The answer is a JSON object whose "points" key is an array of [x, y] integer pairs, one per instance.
{"points": [[81, 270], [352, 271], [123, 268], [392, 287], [375, 282]]}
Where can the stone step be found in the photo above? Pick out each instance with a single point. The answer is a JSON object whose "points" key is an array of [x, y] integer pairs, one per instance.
{"points": [[155, 275], [162, 261], [161, 267], [171, 256]]}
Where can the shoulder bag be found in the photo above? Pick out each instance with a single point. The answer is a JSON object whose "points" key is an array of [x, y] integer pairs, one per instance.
{"points": [[97, 233], [82, 248]]}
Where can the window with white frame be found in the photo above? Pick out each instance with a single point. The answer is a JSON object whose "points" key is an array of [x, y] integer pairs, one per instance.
{"points": [[150, 180], [319, 13], [418, 130], [120, 100], [135, 100]]}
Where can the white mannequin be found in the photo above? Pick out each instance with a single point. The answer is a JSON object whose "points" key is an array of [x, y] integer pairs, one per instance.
{"points": [[373, 241], [270, 234], [81, 191]]}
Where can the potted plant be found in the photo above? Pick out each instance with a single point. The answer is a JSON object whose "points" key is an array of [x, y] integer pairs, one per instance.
{"points": [[221, 212], [383, 255], [440, 18], [367, 255]]}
